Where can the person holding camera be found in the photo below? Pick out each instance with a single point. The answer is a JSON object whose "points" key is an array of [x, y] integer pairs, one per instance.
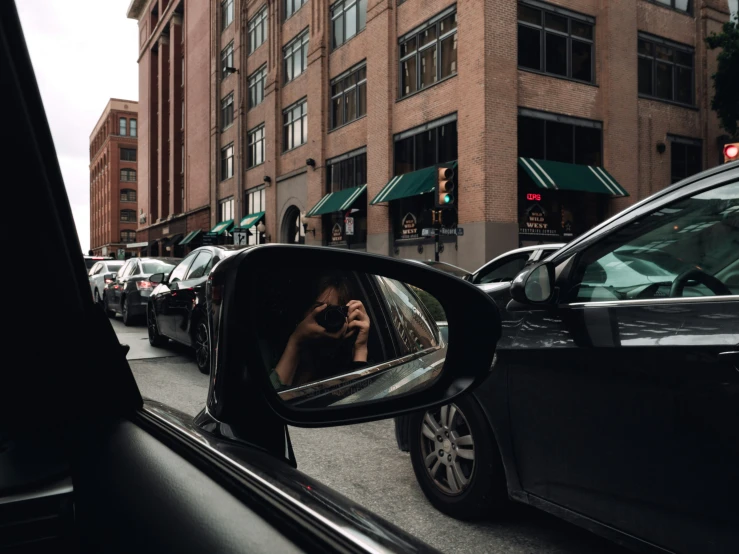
{"points": [[330, 338]]}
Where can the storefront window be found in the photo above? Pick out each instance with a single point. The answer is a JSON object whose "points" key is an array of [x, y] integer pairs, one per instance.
{"points": [[348, 228]]}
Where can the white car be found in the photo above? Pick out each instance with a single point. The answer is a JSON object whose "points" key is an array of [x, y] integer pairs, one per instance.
{"points": [[100, 274], [506, 266]]}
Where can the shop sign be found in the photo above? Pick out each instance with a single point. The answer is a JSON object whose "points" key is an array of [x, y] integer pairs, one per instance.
{"points": [[537, 221], [409, 226], [336, 233], [209, 239]]}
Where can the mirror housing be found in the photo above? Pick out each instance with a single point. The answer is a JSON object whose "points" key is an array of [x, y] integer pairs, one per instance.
{"points": [[157, 278], [239, 371], [534, 285]]}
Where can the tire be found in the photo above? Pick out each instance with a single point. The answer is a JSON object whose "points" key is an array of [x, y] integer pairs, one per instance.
{"points": [[478, 488], [110, 313], [155, 338], [201, 344], [127, 317], [401, 433]]}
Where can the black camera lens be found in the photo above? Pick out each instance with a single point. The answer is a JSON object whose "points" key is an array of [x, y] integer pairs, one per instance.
{"points": [[332, 318]]}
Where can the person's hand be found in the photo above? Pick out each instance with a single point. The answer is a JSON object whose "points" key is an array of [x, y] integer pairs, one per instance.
{"points": [[309, 329], [359, 325]]}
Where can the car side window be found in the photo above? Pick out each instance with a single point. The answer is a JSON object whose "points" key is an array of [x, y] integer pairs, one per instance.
{"points": [[687, 248], [94, 269], [504, 270], [179, 272], [134, 269], [125, 270], [197, 269]]}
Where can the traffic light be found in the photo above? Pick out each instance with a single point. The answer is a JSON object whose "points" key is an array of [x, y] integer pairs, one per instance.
{"points": [[444, 187], [731, 152]]}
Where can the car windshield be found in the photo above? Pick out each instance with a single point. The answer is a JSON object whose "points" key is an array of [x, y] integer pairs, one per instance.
{"points": [[114, 266], [156, 267]]}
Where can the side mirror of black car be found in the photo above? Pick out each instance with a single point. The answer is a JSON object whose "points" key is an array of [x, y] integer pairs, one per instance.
{"points": [[534, 285], [330, 337], [157, 278]]}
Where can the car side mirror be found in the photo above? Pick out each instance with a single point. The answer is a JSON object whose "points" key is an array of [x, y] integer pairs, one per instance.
{"points": [[534, 285], [157, 278], [351, 337]]}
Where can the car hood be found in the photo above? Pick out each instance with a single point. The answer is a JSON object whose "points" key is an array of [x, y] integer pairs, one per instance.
{"points": [[306, 494]]}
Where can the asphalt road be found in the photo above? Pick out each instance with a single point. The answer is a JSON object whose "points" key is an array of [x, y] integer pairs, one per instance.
{"points": [[363, 463]]}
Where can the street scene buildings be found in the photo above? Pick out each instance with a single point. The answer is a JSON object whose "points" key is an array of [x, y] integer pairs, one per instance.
{"points": [[315, 122]]}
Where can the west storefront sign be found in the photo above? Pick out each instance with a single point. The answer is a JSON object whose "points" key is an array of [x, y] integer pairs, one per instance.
{"points": [[409, 226]]}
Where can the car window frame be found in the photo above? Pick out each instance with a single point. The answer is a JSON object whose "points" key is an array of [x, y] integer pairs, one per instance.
{"points": [[186, 260], [501, 261], [123, 273], [188, 275], [568, 260]]}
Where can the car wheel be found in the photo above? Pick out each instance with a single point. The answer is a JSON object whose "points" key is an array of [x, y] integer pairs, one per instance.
{"points": [[401, 433], [110, 313], [456, 460], [127, 318], [202, 345], [155, 339]]}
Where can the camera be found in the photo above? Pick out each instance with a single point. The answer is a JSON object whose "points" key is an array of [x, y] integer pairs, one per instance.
{"points": [[332, 318]]}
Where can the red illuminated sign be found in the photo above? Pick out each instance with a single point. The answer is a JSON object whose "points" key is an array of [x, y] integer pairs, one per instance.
{"points": [[534, 197]]}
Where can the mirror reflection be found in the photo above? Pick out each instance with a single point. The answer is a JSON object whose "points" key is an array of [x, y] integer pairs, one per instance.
{"points": [[333, 337]]}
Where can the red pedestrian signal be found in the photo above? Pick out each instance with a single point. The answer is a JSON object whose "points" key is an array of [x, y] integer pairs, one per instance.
{"points": [[731, 152], [444, 197]]}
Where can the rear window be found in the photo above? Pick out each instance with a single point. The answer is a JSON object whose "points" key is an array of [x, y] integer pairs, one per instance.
{"points": [[114, 265], [157, 267]]}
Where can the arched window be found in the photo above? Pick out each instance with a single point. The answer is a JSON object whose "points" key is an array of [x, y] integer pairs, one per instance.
{"points": [[128, 216], [128, 195], [122, 127], [128, 175]]}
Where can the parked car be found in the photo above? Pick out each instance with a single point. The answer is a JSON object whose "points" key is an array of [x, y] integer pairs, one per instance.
{"points": [[613, 398], [89, 466], [506, 266], [176, 306], [128, 294], [101, 274], [446, 268]]}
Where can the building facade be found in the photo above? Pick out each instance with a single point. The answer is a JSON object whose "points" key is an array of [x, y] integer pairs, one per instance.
{"points": [[325, 120], [114, 179]]}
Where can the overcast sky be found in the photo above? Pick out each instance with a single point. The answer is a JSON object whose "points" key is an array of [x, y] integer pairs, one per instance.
{"points": [[84, 53]]}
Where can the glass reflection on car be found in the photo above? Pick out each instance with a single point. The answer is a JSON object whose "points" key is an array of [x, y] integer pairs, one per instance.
{"points": [[338, 337]]}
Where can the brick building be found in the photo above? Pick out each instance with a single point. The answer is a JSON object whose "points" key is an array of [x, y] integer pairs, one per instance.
{"points": [[113, 179], [300, 114]]}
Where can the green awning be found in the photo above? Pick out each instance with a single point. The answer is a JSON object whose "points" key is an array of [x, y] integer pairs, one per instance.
{"points": [[222, 227], [189, 237], [337, 201], [250, 220], [409, 184], [564, 176]]}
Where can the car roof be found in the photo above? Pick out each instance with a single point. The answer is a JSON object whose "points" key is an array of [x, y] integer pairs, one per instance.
{"points": [[156, 259], [444, 266], [548, 246]]}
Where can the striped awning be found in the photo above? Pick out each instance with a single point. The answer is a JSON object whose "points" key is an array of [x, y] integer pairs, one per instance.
{"points": [[248, 221], [190, 236], [337, 201], [563, 176], [222, 227]]}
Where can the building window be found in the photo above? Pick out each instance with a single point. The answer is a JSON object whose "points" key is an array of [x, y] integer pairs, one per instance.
{"points": [[343, 172], [227, 13], [556, 43], [128, 154], [295, 122], [132, 125], [256, 147], [227, 111], [665, 70], [547, 136], [348, 17], [128, 195], [679, 5], [255, 203], [295, 53], [226, 209], [686, 157], [128, 216], [128, 237], [227, 162], [128, 175], [346, 172], [258, 30], [349, 97], [122, 126], [291, 6], [227, 59], [256, 86], [416, 149], [428, 54]]}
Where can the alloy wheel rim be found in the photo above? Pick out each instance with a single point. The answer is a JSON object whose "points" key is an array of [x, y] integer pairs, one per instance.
{"points": [[201, 344], [448, 449]]}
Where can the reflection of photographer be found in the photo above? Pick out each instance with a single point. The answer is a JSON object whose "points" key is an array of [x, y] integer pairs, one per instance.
{"points": [[330, 337]]}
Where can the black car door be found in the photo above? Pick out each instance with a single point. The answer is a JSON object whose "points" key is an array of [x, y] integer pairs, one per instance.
{"points": [[184, 298], [623, 398], [166, 298], [119, 285]]}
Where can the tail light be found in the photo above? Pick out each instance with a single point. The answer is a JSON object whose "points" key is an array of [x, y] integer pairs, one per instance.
{"points": [[144, 285], [108, 281]]}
